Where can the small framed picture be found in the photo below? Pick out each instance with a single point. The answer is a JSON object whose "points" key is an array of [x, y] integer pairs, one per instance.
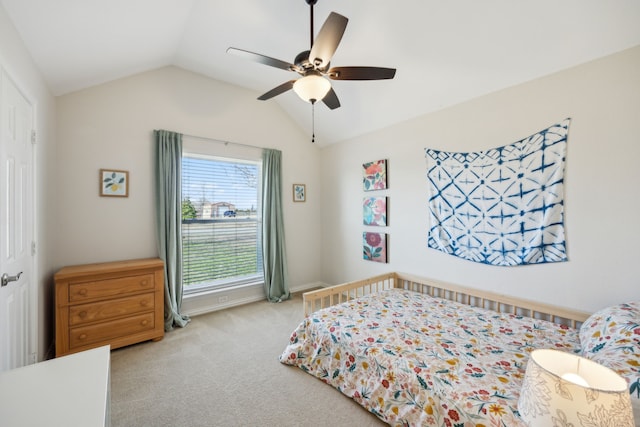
{"points": [[114, 183], [374, 175], [374, 247], [299, 193], [374, 211]]}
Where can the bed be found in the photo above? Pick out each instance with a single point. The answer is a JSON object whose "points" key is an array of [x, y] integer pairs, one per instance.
{"points": [[418, 352]]}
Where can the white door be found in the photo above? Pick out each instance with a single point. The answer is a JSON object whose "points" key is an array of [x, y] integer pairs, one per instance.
{"points": [[17, 295]]}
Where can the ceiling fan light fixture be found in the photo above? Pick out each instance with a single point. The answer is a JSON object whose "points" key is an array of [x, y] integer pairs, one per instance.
{"points": [[314, 65], [312, 87]]}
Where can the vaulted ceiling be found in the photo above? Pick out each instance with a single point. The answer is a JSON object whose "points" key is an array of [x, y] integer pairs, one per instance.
{"points": [[445, 52]]}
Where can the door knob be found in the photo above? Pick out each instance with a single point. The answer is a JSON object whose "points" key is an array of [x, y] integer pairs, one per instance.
{"points": [[5, 279]]}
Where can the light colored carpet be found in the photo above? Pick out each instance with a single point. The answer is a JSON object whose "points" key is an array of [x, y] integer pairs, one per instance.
{"points": [[223, 370]]}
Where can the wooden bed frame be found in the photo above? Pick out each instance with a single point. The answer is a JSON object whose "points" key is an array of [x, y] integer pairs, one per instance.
{"points": [[325, 297]]}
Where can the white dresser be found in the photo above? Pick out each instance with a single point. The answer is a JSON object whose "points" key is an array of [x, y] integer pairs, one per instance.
{"points": [[68, 391]]}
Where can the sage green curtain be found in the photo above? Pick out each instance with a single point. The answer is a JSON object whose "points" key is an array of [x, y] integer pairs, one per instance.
{"points": [[276, 281], [168, 176]]}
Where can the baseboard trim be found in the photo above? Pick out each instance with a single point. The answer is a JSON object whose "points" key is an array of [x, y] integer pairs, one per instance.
{"points": [[196, 305]]}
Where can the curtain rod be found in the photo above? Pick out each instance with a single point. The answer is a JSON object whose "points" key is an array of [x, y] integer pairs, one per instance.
{"points": [[220, 141]]}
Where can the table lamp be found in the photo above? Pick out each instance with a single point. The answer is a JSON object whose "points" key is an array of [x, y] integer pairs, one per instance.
{"points": [[564, 389]]}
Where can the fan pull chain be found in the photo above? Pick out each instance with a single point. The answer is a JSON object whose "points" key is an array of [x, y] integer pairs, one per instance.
{"points": [[313, 122]]}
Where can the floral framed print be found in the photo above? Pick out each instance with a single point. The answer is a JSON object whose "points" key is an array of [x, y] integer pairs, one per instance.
{"points": [[114, 183], [374, 247], [374, 175], [374, 211], [299, 193]]}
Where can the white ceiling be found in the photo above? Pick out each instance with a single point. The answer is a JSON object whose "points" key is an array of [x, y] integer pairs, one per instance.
{"points": [[445, 52]]}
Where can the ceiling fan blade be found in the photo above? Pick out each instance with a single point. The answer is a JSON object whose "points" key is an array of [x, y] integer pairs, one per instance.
{"points": [[361, 73], [266, 60], [331, 99], [277, 90], [327, 40]]}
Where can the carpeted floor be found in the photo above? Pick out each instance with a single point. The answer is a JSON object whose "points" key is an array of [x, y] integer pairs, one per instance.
{"points": [[223, 370]]}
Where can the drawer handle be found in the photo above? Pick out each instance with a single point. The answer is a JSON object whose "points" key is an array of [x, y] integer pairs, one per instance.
{"points": [[83, 292], [145, 322], [144, 303], [82, 337], [144, 282], [82, 314]]}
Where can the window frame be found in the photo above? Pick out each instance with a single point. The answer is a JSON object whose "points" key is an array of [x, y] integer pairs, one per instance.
{"points": [[209, 150]]}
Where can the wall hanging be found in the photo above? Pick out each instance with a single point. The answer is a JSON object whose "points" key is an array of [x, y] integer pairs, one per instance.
{"points": [[504, 206], [114, 183], [374, 211], [299, 192], [374, 175], [374, 247]]}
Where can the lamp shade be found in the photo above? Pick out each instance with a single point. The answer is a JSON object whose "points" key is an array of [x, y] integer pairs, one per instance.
{"points": [[312, 87], [563, 389]]}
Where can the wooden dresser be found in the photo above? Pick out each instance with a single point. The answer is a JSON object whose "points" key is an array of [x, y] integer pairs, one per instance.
{"points": [[117, 303]]}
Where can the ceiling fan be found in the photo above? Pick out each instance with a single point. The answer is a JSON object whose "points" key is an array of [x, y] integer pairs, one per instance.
{"points": [[314, 65]]}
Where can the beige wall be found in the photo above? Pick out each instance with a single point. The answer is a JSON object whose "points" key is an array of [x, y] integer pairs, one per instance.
{"points": [[601, 186], [110, 126], [18, 64]]}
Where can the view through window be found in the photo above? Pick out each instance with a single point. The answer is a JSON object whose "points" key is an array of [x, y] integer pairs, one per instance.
{"points": [[221, 234]]}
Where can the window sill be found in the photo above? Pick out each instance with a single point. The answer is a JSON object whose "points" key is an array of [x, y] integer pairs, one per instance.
{"points": [[211, 289], [207, 301]]}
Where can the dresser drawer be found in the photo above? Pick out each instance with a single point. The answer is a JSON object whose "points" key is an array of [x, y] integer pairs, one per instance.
{"points": [[85, 335], [99, 289], [106, 310]]}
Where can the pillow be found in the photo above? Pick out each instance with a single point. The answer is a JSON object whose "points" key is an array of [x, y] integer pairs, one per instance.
{"points": [[611, 337], [612, 327]]}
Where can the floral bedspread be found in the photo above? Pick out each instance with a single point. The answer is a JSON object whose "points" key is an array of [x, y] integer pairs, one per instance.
{"points": [[414, 360]]}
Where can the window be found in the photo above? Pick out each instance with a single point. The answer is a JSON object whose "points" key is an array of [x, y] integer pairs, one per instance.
{"points": [[221, 230]]}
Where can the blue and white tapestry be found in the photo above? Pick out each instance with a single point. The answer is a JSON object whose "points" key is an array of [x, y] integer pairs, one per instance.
{"points": [[504, 206]]}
